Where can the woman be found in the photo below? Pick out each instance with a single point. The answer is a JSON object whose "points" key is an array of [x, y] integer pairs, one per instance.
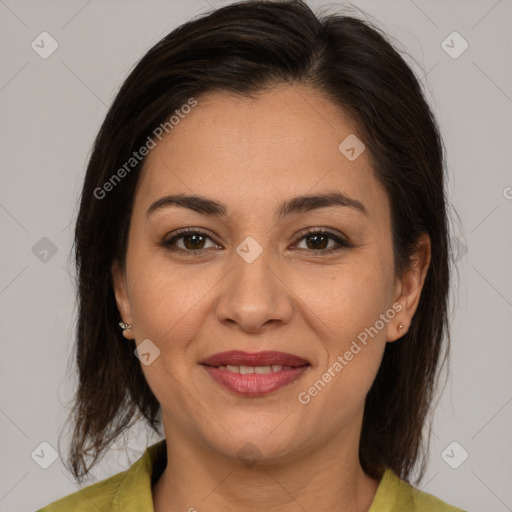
{"points": [[264, 216]]}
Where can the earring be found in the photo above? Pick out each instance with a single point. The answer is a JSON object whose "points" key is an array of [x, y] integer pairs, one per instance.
{"points": [[125, 328], [400, 327]]}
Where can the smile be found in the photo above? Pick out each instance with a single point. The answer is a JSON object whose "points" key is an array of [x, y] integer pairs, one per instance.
{"points": [[254, 374]]}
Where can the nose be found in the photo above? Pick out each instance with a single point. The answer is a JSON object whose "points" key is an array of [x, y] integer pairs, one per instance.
{"points": [[255, 294]]}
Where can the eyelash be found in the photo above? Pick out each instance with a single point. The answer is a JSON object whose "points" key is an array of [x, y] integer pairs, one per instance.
{"points": [[342, 243]]}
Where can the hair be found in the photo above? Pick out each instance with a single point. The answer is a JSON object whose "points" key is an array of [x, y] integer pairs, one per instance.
{"points": [[247, 48]]}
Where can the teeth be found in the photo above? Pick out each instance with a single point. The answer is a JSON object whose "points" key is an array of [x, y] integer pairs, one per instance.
{"points": [[262, 369], [253, 369]]}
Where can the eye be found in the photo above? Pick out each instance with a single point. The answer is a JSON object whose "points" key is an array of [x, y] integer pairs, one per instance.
{"points": [[192, 240], [317, 241]]}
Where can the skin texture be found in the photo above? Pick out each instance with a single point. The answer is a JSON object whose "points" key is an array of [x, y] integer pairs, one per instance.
{"points": [[250, 155]]}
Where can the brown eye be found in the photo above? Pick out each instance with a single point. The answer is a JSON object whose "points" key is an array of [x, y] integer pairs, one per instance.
{"points": [[317, 241], [193, 241], [189, 241]]}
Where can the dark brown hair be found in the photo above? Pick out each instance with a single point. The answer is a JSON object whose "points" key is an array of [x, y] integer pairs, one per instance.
{"points": [[247, 48]]}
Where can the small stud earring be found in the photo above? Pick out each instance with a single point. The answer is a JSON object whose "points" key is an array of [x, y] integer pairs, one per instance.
{"points": [[400, 327], [125, 328]]}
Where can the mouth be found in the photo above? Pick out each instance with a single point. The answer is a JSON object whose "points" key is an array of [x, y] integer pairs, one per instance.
{"points": [[254, 374]]}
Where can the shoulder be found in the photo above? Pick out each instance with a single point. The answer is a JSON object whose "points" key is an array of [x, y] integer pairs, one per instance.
{"points": [[127, 491], [98, 496], [395, 493]]}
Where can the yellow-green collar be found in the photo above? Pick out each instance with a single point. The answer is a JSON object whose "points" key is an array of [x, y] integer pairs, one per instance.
{"points": [[131, 491]]}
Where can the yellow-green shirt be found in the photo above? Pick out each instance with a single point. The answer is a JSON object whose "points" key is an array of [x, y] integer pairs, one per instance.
{"points": [[130, 491]]}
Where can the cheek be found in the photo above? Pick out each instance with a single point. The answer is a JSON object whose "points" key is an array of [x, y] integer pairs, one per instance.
{"points": [[347, 298], [345, 307], [169, 306], [167, 300]]}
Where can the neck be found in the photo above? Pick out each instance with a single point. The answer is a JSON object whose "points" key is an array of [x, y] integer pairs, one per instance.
{"points": [[201, 480]]}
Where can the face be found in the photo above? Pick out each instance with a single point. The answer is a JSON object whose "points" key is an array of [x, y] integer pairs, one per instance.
{"points": [[254, 279]]}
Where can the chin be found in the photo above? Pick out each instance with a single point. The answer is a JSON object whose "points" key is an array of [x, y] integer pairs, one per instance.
{"points": [[251, 445]]}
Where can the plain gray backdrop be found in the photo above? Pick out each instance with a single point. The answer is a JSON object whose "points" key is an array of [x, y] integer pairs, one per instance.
{"points": [[51, 110]]}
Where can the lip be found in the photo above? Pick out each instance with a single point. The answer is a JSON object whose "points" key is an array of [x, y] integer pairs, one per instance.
{"points": [[254, 384], [265, 358]]}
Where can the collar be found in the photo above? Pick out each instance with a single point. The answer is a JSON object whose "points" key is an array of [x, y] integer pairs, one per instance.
{"points": [[134, 493]]}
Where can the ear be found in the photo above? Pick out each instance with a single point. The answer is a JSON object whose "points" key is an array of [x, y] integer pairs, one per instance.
{"points": [[121, 293], [408, 288]]}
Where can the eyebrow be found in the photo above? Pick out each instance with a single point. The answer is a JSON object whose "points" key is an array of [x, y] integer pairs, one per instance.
{"points": [[298, 204]]}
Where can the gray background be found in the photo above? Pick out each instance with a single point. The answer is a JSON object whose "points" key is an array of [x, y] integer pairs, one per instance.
{"points": [[51, 111]]}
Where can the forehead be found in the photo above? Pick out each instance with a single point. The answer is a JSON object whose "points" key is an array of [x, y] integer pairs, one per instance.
{"points": [[240, 150]]}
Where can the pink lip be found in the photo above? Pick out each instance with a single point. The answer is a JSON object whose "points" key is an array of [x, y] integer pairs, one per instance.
{"points": [[254, 384]]}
